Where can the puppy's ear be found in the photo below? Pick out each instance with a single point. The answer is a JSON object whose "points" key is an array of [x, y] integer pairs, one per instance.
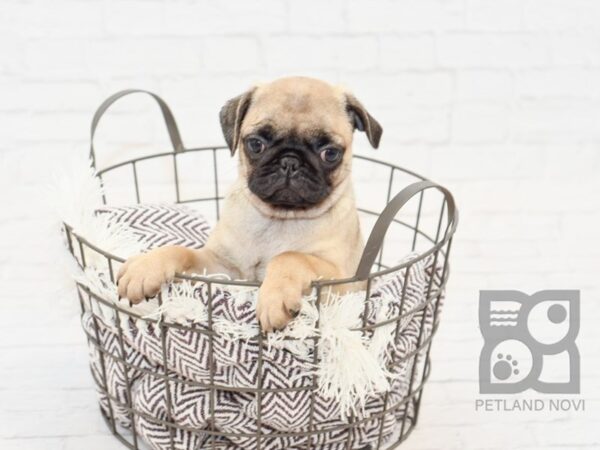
{"points": [[231, 115], [363, 121]]}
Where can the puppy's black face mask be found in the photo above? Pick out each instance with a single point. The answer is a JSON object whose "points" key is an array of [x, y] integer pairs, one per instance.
{"points": [[291, 171]]}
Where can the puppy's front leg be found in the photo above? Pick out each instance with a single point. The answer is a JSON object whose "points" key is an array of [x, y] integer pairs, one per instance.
{"points": [[142, 276], [288, 277]]}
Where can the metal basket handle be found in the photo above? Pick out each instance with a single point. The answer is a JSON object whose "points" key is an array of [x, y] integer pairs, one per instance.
{"points": [[375, 241], [166, 112]]}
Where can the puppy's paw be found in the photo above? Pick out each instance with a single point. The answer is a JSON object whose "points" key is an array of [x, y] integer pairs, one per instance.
{"points": [[278, 304], [142, 276]]}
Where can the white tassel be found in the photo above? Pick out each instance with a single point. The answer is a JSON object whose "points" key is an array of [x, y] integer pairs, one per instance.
{"points": [[349, 371]]}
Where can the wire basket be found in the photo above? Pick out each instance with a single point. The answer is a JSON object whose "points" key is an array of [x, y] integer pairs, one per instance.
{"points": [[421, 218]]}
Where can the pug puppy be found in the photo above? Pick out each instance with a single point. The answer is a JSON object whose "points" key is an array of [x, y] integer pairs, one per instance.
{"points": [[290, 218]]}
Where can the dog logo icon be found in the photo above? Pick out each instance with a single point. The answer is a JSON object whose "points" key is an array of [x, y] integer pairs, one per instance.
{"points": [[529, 342]]}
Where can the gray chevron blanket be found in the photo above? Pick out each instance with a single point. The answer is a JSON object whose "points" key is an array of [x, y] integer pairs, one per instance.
{"points": [[357, 375]]}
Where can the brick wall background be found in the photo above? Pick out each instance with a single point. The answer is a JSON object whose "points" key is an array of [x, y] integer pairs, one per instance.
{"points": [[497, 99]]}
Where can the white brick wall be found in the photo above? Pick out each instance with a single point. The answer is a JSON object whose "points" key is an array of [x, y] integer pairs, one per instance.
{"points": [[498, 99]]}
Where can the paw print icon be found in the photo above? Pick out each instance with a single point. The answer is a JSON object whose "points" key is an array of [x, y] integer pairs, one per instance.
{"points": [[529, 342]]}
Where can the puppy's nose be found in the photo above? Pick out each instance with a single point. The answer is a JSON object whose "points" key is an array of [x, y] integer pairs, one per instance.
{"points": [[289, 165]]}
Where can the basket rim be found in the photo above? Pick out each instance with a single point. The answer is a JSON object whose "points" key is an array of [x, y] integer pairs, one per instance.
{"points": [[316, 284]]}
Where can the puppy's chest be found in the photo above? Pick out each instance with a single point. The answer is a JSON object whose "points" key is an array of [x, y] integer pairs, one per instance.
{"points": [[268, 238], [272, 237]]}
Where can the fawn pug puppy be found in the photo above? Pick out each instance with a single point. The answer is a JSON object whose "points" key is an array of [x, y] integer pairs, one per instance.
{"points": [[290, 217]]}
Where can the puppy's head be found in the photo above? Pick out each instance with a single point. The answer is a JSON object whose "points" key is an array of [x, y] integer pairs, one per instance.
{"points": [[294, 136]]}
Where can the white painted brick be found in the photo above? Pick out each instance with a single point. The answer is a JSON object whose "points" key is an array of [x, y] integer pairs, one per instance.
{"points": [[32, 166], [57, 126], [403, 90], [491, 15], [575, 49], [347, 53], [13, 58], [131, 57], [564, 82], [484, 123], [411, 15], [232, 54], [64, 58], [510, 248], [41, 443], [511, 226], [416, 125], [94, 442], [454, 437], [56, 424], [562, 435], [131, 128], [11, 95], [137, 18], [560, 15], [584, 226], [50, 96], [435, 88], [495, 264], [569, 162], [484, 85], [492, 50], [407, 52], [9, 12], [556, 121], [12, 124], [209, 17], [41, 19], [315, 16], [205, 90], [509, 161], [484, 196]]}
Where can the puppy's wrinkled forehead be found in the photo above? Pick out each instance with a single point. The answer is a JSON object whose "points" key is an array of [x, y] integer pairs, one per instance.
{"points": [[300, 106]]}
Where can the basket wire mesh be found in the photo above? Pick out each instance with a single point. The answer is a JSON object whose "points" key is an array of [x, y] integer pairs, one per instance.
{"points": [[434, 219]]}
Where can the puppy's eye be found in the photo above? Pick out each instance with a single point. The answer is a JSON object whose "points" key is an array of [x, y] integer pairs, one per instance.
{"points": [[331, 155], [255, 145]]}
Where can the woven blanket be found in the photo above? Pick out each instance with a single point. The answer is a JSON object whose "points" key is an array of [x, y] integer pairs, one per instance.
{"points": [[168, 368]]}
